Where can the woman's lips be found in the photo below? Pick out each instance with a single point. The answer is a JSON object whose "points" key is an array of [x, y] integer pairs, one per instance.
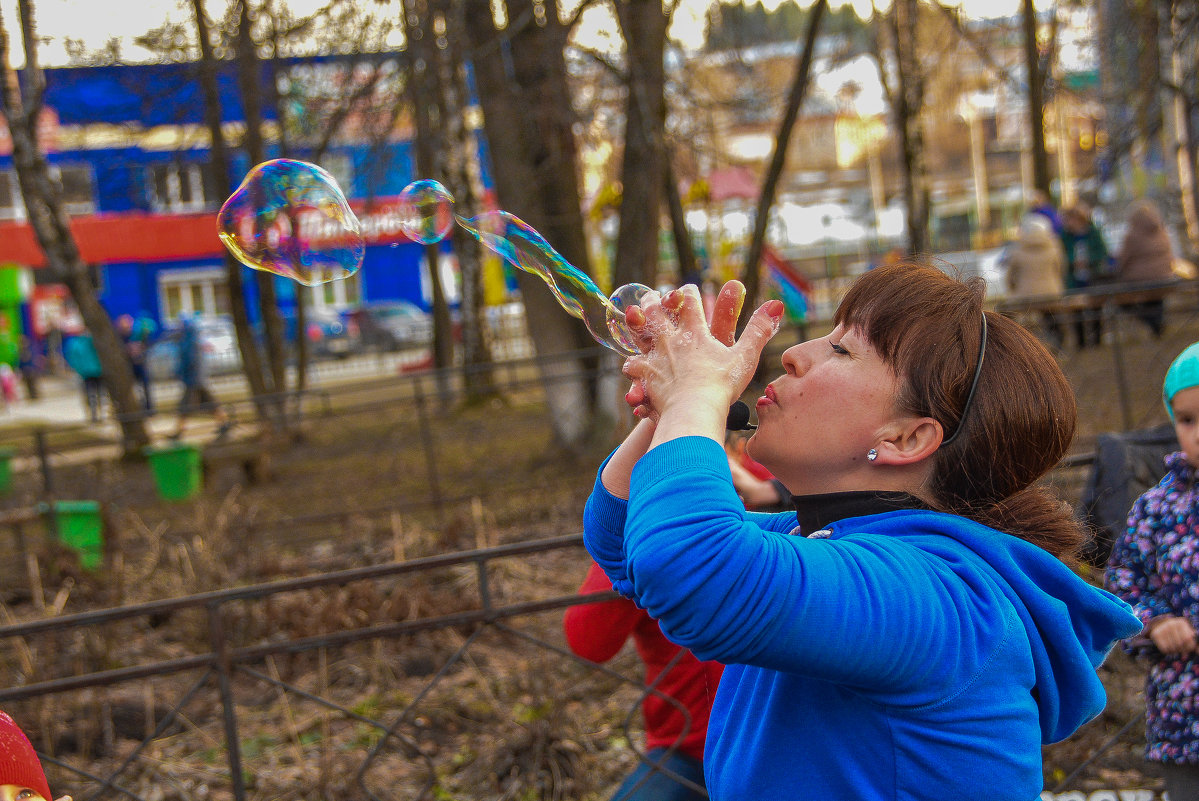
{"points": [[768, 397]]}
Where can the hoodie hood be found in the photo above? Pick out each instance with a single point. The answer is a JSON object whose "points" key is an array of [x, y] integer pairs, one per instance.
{"points": [[1071, 625]]}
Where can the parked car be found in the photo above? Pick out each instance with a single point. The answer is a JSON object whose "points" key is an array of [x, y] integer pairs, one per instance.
{"points": [[392, 325], [330, 334], [218, 341]]}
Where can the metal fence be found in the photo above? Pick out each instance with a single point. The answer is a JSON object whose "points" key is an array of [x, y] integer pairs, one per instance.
{"points": [[385, 678]]}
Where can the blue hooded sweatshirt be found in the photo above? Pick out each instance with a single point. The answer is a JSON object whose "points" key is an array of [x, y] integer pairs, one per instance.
{"points": [[903, 655]]}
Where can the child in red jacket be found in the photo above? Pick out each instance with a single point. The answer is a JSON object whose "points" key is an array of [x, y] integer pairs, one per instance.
{"points": [[674, 745]]}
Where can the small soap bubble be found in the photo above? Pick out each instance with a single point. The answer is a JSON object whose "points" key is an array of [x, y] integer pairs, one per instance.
{"points": [[290, 218], [426, 211], [628, 295]]}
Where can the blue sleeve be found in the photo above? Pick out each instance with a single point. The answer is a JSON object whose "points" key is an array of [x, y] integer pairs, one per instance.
{"points": [[604, 521], [859, 609], [603, 532]]}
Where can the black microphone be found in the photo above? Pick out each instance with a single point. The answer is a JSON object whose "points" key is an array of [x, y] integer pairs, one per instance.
{"points": [[738, 419]]}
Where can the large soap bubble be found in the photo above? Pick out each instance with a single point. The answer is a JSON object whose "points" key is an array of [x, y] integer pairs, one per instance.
{"points": [[290, 218]]}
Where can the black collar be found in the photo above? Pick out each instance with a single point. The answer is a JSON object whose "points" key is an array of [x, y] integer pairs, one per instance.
{"points": [[816, 512]]}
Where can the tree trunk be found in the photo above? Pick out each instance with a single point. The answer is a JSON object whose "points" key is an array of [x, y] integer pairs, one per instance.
{"points": [[643, 24], [751, 272], [1036, 100], [22, 102], [424, 92], [907, 106], [251, 358], [521, 82], [478, 376], [689, 272], [249, 81]]}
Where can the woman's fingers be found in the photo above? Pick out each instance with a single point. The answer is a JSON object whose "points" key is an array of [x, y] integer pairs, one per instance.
{"points": [[763, 325], [726, 310]]}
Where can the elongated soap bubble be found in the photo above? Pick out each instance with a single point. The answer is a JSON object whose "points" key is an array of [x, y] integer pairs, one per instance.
{"points": [[290, 218], [523, 247], [426, 211]]}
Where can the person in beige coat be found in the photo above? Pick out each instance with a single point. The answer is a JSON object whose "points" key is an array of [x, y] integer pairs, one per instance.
{"points": [[1036, 268], [1146, 254]]}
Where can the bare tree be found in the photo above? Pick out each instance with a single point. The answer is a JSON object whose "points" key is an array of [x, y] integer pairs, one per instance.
{"points": [[521, 83], [643, 24], [898, 45], [799, 86], [1036, 98], [22, 95]]}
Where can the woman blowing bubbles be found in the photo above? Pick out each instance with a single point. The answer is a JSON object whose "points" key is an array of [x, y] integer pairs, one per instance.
{"points": [[917, 634]]}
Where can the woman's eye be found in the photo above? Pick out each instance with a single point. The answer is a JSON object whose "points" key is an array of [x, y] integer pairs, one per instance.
{"points": [[839, 349]]}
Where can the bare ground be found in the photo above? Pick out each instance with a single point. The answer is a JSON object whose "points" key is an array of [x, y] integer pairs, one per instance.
{"points": [[508, 721]]}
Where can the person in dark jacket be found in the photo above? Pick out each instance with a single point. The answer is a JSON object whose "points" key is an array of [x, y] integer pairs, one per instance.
{"points": [[1088, 263]]}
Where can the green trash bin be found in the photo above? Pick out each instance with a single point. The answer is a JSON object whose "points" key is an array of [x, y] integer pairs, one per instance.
{"points": [[79, 526], [6, 455], [177, 470]]}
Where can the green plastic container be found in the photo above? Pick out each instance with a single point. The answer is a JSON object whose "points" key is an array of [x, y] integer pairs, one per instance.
{"points": [[78, 525], [177, 470], [6, 455]]}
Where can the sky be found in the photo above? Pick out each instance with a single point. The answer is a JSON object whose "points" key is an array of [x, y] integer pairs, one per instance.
{"points": [[96, 21]]}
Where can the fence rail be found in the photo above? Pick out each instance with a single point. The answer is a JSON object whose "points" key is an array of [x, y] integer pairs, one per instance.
{"points": [[409, 740]]}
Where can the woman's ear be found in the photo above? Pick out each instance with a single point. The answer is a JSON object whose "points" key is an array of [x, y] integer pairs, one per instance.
{"points": [[910, 441]]}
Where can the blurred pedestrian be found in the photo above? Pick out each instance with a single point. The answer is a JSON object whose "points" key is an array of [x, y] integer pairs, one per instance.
{"points": [[1088, 263], [1036, 269], [1146, 254], [80, 354], [135, 337], [1153, 567], [1040, 204], [193, 374], [27, 364]]}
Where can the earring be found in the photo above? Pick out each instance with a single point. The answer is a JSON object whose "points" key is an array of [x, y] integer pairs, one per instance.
{"points": [[872, 454]]}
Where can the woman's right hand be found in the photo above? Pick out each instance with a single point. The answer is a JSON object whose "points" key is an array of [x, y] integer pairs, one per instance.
{"points": [[1172, 635], [723, 325]]}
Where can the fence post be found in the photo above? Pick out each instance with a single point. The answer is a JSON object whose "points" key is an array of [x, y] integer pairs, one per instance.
{"points": [[1112, 320], [426, 438], [43, 456], [224, 668]]}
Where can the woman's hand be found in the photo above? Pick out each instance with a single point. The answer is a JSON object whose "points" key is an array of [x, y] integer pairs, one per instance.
{"points": [[725, 311], [689, 374], [1172, 635]]}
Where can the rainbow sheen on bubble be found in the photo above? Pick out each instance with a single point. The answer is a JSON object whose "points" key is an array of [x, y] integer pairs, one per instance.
{"points": [[290, 218], [523, 247], [426, 211]]}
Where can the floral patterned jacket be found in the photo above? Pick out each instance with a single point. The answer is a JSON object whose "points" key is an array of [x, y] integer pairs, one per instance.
{"points": [[1155, 568]]}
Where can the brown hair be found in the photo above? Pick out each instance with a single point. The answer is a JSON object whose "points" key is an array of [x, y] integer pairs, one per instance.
{"points": [[927, 325]]}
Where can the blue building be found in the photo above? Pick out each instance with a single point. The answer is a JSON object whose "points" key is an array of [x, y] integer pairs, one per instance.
{"points": [[131, 149]]}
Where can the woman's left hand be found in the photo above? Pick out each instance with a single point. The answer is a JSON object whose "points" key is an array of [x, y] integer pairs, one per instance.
{"points": [[688, 376]]}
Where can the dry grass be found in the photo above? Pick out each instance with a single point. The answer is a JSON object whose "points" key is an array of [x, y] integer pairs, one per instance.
{"points": [[508, 719]]}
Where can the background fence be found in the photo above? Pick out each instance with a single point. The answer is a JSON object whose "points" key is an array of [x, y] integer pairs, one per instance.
{"points": [[437, 671]]}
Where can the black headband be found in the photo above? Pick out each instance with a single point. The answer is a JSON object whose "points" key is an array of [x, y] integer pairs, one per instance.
{"points": [[978, 369]]}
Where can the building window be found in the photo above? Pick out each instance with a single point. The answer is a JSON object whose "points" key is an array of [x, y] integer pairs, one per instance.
{"points": [[337, 294], [178, 187], [202, 291], [75, 184], [11, 207]]}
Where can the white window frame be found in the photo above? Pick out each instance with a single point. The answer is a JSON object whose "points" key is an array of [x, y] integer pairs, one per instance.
{"points": [[175, 202], [206, 278]]}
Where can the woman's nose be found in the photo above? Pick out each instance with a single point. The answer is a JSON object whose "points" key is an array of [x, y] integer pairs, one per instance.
{"points": [[795, 359]]}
